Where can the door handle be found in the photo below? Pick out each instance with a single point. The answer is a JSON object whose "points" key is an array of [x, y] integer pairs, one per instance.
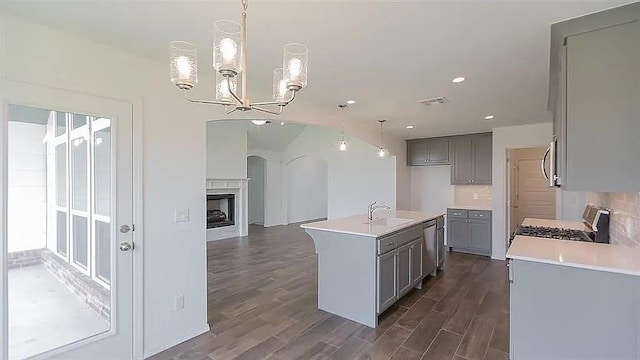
{"points": [[544, 159], [125, 246]]}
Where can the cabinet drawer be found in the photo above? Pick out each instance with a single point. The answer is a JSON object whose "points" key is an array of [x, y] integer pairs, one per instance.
{"points": [[457, 213], [387, 244], [479, 214], [410, 235]]}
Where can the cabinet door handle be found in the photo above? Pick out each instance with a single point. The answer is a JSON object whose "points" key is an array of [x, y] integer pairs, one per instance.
{"points": [[389, 243]]}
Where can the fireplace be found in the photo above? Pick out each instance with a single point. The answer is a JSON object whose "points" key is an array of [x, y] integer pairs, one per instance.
{"points": [[220, 210]]}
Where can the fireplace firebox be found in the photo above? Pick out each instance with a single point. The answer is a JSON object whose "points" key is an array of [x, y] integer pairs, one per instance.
{"points": [[220, 210]]}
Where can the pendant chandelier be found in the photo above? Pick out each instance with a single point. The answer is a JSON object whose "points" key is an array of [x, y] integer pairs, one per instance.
{"points": [[342, 146], [382, 151], [230, 63]]}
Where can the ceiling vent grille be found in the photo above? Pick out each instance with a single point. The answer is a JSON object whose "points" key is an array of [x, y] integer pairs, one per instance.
{"points": [[434, 101]]}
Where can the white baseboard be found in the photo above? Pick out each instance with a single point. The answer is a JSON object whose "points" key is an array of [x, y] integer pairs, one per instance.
{"points": [[180, 339]]}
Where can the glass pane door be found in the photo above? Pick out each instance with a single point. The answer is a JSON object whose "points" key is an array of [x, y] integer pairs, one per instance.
{"points": [[59, 234]]}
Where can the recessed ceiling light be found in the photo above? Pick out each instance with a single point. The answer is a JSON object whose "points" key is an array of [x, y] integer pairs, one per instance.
{"points": [[351, 102], [259, 122], [459, 79], [489, 117], [282, 123], [409, 126]]}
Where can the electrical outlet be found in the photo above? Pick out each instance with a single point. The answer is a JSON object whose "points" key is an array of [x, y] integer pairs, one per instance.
{"points": [[182, 215], [179, 302], [475, 196]]}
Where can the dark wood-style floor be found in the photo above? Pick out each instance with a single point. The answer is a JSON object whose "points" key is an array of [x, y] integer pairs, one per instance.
{"points": [[262, 304]]}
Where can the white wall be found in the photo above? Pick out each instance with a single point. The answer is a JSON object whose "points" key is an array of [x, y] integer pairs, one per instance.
{"points": [[504, 138], [256, 168], [27, 187], [307, 195], [431, 188], [173, 164], [356, 177], [226, 150]]}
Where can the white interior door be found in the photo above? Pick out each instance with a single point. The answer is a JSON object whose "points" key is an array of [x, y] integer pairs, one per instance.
{"points": [[67, 224], [532, 195]]}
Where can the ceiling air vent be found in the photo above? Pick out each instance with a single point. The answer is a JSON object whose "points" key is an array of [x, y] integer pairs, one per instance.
{"points": [[434, 101]]}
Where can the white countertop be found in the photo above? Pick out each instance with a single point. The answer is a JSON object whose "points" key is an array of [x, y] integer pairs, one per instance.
{"points": [[356, 225], [573, 225], [594, 256], [472, 207]]}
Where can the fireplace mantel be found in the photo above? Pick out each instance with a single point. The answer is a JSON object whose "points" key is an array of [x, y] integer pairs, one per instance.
{"points": [[240, 183], [238, 187]]}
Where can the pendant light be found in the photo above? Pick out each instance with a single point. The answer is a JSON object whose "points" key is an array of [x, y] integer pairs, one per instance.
{"points": [[343, 143], [382, 152]]}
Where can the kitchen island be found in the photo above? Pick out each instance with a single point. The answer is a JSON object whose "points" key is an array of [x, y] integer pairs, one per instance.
{"points": [[364, 266]]}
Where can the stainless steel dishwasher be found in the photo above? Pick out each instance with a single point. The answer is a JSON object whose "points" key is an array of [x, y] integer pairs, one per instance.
{"points": [[429, 248], [433, 246]]}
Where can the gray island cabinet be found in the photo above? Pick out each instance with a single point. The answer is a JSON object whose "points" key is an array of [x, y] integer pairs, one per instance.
{"points": [[366, 266]]}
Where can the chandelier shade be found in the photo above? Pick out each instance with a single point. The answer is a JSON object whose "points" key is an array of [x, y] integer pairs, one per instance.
{"points": [[224, 86], [295, 65], [184, 64], [227, 52], [279, 85]]}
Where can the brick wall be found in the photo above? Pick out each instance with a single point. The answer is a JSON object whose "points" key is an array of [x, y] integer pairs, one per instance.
{"points": [[625, 218]]}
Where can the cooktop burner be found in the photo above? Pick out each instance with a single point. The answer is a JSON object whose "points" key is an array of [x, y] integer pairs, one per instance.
{"points": [[553, 233]]}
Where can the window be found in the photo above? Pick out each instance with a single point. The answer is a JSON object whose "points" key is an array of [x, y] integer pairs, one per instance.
{"points": [[81, 158]]}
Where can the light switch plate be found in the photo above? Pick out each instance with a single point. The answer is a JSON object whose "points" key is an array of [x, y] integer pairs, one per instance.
{"points": [[179, 302], [475, 196], [182, 215]]}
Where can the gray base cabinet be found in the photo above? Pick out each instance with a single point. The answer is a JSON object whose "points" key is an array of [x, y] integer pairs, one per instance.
{"points": [[387, 275], [399, 265], [469, 231], [562, 312]]}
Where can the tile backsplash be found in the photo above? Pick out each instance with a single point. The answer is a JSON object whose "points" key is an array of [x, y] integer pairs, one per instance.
{"points": [[625, 215], [473, 195]]}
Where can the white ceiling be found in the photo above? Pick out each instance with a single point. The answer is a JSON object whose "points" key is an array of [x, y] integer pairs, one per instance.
{"points": [[272, 137], [386, 55]]}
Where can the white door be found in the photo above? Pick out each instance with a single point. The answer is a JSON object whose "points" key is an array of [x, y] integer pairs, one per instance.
{"points": [[531, 195], [67, 224]]}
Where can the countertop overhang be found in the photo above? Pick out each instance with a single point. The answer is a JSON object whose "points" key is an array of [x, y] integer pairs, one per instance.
{"points": [[356, 225]]}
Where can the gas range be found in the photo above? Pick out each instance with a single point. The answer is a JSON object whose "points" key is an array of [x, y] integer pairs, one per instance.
{"points": [[596, 224], [553, 233]]}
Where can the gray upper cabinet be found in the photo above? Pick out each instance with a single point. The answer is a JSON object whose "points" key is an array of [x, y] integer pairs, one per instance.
{"points": [[472, 159], [594, 95], [417, 152], [482, 159], [434, 151]]}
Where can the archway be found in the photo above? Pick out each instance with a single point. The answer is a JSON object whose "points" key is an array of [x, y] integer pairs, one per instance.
{"points": [[256, 172]]}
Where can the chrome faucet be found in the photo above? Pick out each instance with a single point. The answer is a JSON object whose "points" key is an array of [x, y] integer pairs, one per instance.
{"points": [[373, 207]]}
